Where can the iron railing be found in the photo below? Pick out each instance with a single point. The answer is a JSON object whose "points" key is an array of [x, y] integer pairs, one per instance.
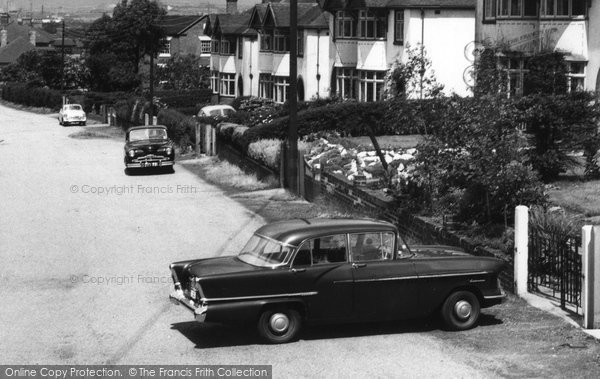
{"points": [[555, 267]]}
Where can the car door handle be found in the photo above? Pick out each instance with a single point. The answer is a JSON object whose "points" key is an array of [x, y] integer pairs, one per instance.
{"points": [[297, 270], [358, 265]]}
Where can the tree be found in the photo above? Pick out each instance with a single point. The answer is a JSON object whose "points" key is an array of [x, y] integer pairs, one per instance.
{"points": [[117, 44], [412, 77], [183, 72]]}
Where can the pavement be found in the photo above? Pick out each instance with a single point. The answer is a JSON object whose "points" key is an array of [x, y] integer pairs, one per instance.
{"points": [[552, 306]]}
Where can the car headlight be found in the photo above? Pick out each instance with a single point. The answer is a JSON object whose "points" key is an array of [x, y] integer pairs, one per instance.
{"points": [[166, 150], [131, 153]]}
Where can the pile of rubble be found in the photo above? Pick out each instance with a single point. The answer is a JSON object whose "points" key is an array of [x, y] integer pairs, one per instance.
{"points": [[355, 163]]}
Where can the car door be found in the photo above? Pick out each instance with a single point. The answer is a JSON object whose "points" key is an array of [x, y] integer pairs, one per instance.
{"points": [[321, 267], [385, 285]]}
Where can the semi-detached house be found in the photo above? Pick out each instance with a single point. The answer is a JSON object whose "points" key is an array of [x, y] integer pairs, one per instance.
{"points": [[522, 28], [250, 55], [368, 36], [345, 47]]}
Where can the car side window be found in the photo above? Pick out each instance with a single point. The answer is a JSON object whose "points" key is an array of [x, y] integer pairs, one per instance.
{"points": [[372, 246], [322, 250]]}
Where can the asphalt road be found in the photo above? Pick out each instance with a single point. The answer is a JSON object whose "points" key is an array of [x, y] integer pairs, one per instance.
{"points": [[84, 255]]}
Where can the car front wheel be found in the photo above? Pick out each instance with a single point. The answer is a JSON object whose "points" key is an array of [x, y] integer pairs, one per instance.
{"points": [[461, 310], [279, 325]]}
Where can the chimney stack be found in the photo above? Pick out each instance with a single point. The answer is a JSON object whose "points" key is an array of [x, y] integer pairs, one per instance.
{"points": [[3, 38], [231, 7]]}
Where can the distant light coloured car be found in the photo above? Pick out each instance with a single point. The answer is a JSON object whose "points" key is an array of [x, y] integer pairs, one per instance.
{"points": [[216, 111], [71, 114]]}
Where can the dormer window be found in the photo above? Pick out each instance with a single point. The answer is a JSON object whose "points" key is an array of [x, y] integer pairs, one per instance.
{"points": [[266, 40], [280, 42]]}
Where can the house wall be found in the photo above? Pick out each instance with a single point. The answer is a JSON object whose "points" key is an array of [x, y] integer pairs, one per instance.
{"points": [[188, 43], [315, 61], [592, 80], [445, 37]]}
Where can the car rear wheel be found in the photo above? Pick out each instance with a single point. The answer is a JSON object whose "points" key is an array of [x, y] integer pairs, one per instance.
{"points": [[279, 325], [461, 310]]}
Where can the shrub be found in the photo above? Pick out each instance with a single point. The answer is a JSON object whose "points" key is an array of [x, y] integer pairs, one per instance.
{"points": [[558, 125], [31, 96], [267, 151], [181, 128], [478, 153]]}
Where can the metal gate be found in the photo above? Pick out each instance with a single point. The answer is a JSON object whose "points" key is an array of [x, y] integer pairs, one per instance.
{"points": [[555, 267]]}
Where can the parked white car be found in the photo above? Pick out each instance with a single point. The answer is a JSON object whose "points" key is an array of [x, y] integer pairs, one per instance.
{"points": [[216, 111], [71, 114]]}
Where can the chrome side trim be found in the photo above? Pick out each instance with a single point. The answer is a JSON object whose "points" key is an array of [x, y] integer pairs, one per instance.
{"points": [[453, 274], [387, 279], [502, 295], [258, 296], [416, 277]]}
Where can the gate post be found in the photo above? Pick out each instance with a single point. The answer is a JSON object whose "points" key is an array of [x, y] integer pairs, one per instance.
{"points": [[590, 240], [521, 249]]}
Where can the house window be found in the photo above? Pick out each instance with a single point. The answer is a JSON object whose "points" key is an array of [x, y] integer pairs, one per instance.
{"points": [[280, 42], [346, 83], [300, 43], [166, 48], [576, 76], [205, 47], [215, 47], [370, 26], [515, 71], [345, 26], [214, 81], [489, 9], [399, 27], [266, 41], [228, 84], [265, 86], [240, 47], [228, 46], [511, 8], [371, 85], [563, 8], [281, 88]]}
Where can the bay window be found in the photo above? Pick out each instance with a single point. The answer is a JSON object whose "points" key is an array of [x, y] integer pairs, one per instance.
{"points": [[371, 85], [281, 88], [265, 86], [227, 84]]}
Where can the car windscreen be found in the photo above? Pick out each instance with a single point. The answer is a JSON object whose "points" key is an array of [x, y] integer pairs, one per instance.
{"points": [[145, 134], [73, 107], [264, 252], [228, 112]]}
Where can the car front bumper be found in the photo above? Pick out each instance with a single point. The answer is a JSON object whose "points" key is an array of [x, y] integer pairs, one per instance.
{"points": [[152, 163], [491, 300], [177, 297]]}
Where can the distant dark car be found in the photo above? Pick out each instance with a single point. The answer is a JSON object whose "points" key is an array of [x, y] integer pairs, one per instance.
{"points": [[335, 270], [148, 146]]}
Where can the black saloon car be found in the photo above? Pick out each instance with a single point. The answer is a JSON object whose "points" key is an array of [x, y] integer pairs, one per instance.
{"points": [[335, 270], [148, 146]]}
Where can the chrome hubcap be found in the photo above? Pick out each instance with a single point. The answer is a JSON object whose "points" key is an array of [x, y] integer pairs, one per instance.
{"points": [[279, 322], [463, 309]]}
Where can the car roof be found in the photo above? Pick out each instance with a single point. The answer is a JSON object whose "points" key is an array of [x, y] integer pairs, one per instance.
{"points": [[293, 232], [215, 107], [146, 127]]}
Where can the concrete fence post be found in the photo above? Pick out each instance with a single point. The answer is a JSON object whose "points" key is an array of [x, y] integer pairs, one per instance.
{"points": [[154, 120], [207, 135], [590, 240], [213, 139], [198, 134], [146, 119], [521, 249]]}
